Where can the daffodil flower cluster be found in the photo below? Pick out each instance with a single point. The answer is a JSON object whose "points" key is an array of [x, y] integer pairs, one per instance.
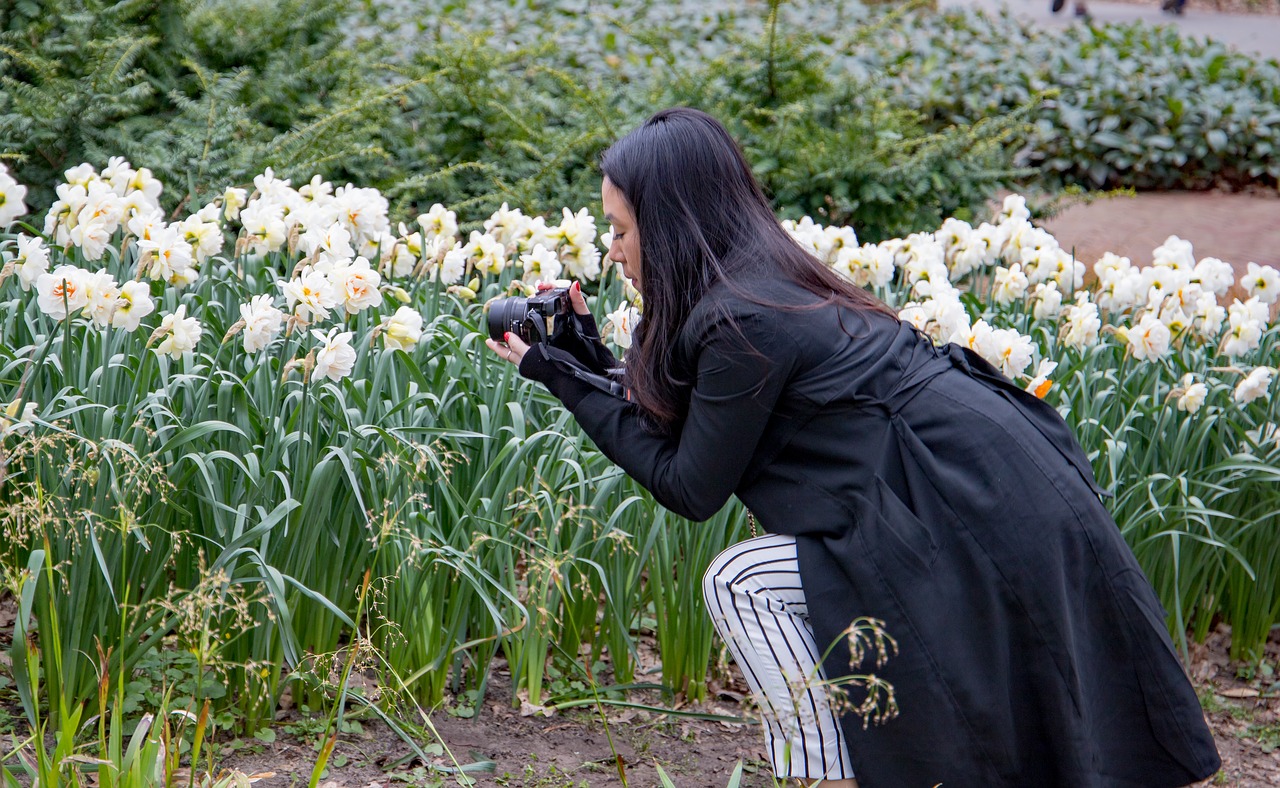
{"points": [[1015, 267]]}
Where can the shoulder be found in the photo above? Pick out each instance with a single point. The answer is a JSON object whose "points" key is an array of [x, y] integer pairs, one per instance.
{"points": [[753, 311]]}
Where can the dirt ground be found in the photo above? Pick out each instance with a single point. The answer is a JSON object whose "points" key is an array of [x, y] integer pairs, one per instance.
{"points": [[572, 749]]}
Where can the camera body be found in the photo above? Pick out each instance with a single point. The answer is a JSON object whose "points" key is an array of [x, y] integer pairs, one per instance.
{"points": [[539, 318]]}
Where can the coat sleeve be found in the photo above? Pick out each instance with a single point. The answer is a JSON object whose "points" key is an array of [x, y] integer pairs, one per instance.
{"points": [[741, 372]]}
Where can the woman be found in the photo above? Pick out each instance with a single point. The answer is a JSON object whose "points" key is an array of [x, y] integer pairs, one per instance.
{"points": [[896, 480]]}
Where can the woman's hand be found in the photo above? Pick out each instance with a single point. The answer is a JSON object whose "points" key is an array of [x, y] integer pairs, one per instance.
{"points": [[513, 349], [583, 340], [576, 298]]}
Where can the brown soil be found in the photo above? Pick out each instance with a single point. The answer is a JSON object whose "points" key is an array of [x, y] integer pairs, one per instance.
{"points": [[572, 749]]}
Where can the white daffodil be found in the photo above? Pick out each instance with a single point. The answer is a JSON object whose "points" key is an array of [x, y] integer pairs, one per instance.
{"points": [[62, 214], [92, 238], [1193, 394], [535, 233], [620, 325], [974, 337], [264, 226], [1111, 263], [143, 181], [1174, 253], [101, 206], [507, 226], [402, 330], [181, 333], [356, 285], [336, 358], [132, 304], [577, 229], [1013, 234], [915, 315], [146, 225], [12, 196], [945, 316], [203, 236], [452, 266], [61, 292], [311, 294], [837, 240], [332, 241], [487, 253], [1214, 275], [581, 262], [953, 235], [1040, 383], [1014, 209], [1010, 284], [1207, 316], [1080, 323], [233, 199], [80, 175], [11, 422], [172, 258], [1254, 385], [118, 173], [262, 322], [101, 293], [438, 222], [271, 188], [1149, 339], [1158, 281], [1008, 351], [31, 260], [1259, 281], [1046, 301], [540, 265], [318, 190], [1242, 338], [403, 259], [1247, 321]]}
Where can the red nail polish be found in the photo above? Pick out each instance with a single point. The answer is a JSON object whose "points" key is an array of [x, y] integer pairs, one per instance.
{"points": [[507, 337]]}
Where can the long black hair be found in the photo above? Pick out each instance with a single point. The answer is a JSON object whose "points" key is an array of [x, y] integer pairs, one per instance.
{"points": [[702, 218]]}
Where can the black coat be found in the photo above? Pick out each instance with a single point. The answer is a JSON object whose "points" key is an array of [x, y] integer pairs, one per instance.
{"points": [[928, 491]]}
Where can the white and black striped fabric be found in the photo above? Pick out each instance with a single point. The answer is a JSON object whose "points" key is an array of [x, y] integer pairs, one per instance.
{"points": [[753, 594]]}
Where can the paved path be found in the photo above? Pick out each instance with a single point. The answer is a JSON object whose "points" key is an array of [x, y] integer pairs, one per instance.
{"points": [[1238, 228], [1254, 33]]}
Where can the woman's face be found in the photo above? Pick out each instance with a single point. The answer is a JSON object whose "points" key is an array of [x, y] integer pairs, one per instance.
{"points": [[625, 249]]}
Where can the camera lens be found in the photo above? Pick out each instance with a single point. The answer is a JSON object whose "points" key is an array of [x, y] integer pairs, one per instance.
{"points": [[506, 315]]}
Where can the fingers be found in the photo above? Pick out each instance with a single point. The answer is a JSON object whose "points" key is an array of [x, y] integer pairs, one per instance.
{"points": [[577, 299], [513, 350], [517, 347]]}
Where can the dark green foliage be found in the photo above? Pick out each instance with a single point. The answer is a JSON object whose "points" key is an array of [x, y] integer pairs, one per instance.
{"points": [[1135, 106], [833, 147], [474, 108], [205, 94]]}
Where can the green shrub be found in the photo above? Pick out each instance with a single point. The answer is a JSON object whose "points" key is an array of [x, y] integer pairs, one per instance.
{"points": [[202, 93], [1136, 106], [476, 105]]}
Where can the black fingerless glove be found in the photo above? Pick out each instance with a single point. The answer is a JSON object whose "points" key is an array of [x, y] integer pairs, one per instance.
{"points": [[565, 376], [582, 341]]}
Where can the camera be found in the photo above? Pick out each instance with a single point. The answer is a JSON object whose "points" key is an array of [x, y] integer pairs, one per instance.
{"points": [[539, 318]]}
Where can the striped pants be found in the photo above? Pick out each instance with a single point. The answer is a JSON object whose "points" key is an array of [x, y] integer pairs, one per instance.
{"points": [[753, 594]]}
